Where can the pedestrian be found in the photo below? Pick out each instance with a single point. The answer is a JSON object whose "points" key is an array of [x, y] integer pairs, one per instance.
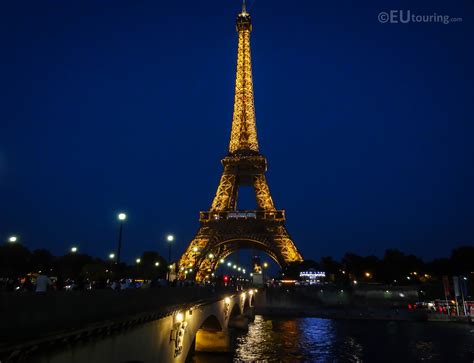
{"points": [[42, 283]]}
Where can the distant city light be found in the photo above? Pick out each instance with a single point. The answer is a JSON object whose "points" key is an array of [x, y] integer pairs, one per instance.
{"points": [[368, 274], [122, 216]]}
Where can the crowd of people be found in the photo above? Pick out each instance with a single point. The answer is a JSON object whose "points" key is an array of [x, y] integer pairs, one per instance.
{"points": [[42, 282]]}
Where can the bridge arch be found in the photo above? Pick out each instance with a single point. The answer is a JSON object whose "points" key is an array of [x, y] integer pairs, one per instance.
{"points": [[205, 266], [230, 246]]}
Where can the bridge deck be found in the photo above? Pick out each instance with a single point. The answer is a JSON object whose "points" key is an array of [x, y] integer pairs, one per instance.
{"points": [[30, 316]]}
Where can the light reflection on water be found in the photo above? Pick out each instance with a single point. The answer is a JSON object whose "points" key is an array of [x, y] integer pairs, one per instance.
{"points": [[324, 340]]}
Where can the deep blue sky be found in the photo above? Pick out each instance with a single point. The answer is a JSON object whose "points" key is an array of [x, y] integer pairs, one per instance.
{"points": [[126, 105]]}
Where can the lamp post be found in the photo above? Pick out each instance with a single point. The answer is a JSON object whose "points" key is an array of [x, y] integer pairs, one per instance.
{"points": [[121, 217], [170, 239], [73, 249], [265, 266]]}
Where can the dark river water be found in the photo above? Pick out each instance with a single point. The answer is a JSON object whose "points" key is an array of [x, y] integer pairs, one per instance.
{"points": [[325, 340]]}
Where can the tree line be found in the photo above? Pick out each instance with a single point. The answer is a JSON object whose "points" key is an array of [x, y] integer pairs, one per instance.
{"points": [[17, 261], [394, 267]]}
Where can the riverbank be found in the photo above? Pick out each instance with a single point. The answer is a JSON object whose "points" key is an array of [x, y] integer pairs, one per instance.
{"points": [[355, 304]]}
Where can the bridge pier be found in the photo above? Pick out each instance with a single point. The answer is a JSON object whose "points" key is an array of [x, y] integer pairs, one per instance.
{"points": [[240, 321], [212, 341]]}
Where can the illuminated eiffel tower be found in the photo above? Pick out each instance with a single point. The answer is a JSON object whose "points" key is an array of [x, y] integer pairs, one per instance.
{"points": [[225, 229]]}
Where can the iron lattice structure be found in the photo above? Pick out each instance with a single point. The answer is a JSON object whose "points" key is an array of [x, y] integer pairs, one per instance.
{"points": [[225, 229]]}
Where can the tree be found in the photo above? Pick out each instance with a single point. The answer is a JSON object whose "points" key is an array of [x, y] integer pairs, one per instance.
{"points": [[357, 266], [396, 265], [462, 260], [152, 265], [13, 260], [71, 264], [41, 260]]}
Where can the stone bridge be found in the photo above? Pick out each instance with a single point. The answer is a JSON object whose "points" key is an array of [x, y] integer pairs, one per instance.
{"points": [[164, 336]]}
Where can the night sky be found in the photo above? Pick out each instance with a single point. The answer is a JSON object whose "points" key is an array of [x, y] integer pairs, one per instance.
{"points": [[114, 105]]}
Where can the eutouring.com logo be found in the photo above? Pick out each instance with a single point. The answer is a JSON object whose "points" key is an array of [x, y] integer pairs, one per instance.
{"points": [[406, 16]]}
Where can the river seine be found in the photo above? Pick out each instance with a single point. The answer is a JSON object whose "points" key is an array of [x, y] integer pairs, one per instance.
{"points": [[325, 340]]}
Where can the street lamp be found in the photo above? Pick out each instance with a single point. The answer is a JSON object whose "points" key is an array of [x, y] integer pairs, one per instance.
{"points": [[170, 239], [74, 249], [138, 260], [12, 239], [121, 217], [265, 266], [157, 264], [112, 256]]}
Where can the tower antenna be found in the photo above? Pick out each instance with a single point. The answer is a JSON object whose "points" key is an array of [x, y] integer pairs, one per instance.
{"points": [[244, 10]]}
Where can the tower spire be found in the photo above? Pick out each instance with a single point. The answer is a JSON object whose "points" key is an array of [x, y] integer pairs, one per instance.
{"points": [[244, 131]]}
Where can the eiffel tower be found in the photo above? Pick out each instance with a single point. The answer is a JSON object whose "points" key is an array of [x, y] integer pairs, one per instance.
{"points": [[224, 228]]}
